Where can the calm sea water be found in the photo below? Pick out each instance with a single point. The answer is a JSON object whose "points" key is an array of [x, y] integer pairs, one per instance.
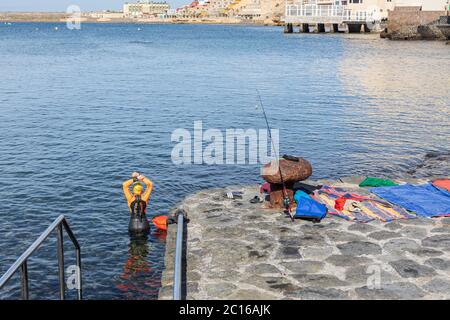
{"points": [[81, 110]]}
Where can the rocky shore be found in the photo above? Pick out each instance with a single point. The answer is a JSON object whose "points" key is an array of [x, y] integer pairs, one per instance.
{"points": [[239, 250]]}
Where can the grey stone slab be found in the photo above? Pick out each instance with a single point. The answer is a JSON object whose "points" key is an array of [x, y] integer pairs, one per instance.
{"points": [[384, 235], [303, 266], [439, 286], [347, 260], [319, 280], [394, 291], [309, 239], [288, 253], [219, 289], [317, 293], [339, 236], [439, 264], [263, 268], [437, 241], [250, 294], [440, 230], [445, 221], [363, 274], [398, 246], [394, 225], [359, 248], [361, 227], [425, 252], [411, 269], [316, 253], [414, 232]]}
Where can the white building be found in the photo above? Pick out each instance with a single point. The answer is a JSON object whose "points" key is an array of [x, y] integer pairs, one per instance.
{"points": [[145, 8], [427, 5]]}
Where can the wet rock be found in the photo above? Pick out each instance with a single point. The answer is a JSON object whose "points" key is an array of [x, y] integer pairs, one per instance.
{"points": [[437, 241], [359, 248], [394, 291], [438, 285], [383, 235], [347, 260], [438, 263], [304, 266], [361, 227], [411, 269], [317, 293]]}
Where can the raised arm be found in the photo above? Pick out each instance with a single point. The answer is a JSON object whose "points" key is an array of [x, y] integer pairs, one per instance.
{"points": [[148, 190], [126, 190]]}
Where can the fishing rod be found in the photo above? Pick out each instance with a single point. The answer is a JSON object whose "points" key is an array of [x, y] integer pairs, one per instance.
{"points": [[286, 200]]}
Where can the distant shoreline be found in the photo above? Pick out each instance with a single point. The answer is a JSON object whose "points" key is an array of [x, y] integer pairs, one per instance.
{"points": [[60, 17]]}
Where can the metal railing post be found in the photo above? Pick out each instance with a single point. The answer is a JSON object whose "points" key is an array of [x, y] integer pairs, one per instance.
{"points": [[79, 284], [178, 258], [21, 262], [62, 284], [24, 280]]}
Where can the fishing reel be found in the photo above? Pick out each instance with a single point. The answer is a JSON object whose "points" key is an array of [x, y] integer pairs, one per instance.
{"points": [[286, 202]]}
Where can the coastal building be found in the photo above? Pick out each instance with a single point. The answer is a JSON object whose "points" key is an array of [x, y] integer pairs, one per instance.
{"points": [[145, 9], [426, 5]]}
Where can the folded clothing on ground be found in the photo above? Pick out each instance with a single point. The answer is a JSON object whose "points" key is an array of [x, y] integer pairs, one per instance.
{"points": [[377, 182], [425, 200], [309, 189], [369, 208]]}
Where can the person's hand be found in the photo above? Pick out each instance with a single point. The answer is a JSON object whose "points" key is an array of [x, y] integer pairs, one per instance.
{"points": [[140, 177], [135, 174]]}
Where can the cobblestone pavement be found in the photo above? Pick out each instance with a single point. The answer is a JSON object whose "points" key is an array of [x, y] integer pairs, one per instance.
{"points": [[239, 250]]}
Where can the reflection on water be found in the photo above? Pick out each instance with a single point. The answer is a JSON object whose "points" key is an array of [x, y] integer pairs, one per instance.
{"points": [[138, 280], [81, 110]]}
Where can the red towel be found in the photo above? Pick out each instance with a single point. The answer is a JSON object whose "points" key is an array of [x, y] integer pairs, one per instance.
{"points": [[442, 183]]}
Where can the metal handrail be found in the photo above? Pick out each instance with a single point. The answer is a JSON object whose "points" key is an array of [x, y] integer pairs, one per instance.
{"points": [[177, 277], [21, 262]]}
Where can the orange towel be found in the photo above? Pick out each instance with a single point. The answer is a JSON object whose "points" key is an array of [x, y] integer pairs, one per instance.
{"points": [[442, 183]]}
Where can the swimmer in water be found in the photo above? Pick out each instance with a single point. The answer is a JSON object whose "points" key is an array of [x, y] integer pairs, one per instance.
{"points": [[137, 201]]}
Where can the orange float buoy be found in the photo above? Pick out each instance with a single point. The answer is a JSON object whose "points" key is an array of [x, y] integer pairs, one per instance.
{"points": [[160, 222]]}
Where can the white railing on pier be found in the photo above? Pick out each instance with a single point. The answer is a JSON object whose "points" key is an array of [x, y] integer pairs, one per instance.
{"points": [[324, 13]]}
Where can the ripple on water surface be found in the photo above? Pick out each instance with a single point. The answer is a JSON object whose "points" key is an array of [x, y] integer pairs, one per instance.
{"points": [[81, 110]]}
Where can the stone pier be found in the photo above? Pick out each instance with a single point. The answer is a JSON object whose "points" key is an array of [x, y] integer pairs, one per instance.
{"points": [[240, 250]]}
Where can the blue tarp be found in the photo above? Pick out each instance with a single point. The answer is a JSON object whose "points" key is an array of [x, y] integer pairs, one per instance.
{"points": [[425, 200]]}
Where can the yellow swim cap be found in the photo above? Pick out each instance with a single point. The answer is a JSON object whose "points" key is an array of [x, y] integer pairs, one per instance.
{"points": [[137, 188]]}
